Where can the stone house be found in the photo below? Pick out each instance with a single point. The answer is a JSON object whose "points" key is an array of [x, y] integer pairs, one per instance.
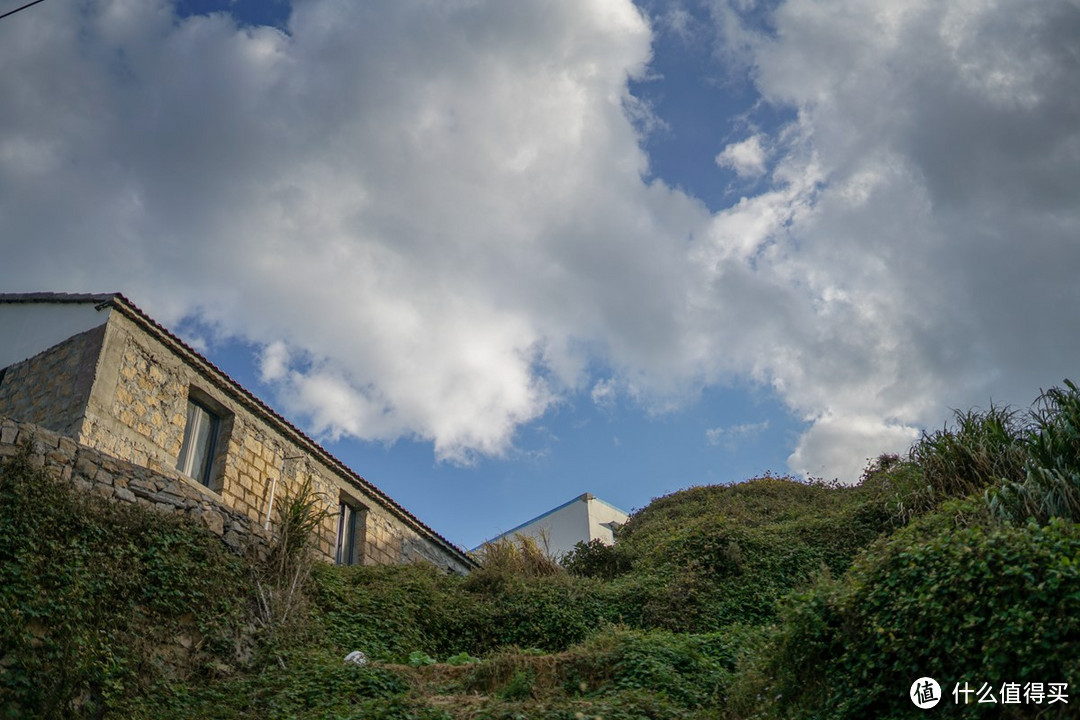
{"points": [[98, 370]]}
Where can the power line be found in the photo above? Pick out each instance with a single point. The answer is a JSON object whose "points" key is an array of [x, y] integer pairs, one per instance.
{"points": [[12, 12]]}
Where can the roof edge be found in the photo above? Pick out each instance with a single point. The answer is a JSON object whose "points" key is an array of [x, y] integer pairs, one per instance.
{"points": [[57, 298]]}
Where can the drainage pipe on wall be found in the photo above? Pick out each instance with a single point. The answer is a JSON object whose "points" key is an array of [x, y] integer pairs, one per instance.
{"points": [[270, 505]]}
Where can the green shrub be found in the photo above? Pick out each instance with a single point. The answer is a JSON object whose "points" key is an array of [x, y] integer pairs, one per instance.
{"points": [[312, 684], [99, 600], [463, 658], [711, 556], [519, 687], [391, 611], [418, 658], [597, 559], [693, 670], [977, 604]]}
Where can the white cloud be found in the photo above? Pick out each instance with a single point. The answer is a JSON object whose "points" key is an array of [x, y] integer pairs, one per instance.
{"points": [[747, 157], [426, 204], [916, 232], [604, 393], [274, 363], [730, 436], [836, 447], [433, 218]]}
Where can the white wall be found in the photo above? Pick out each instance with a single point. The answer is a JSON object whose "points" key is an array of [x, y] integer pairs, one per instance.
{"points": [[601, 514], [28, 328], [580, 520], [561, 529]]}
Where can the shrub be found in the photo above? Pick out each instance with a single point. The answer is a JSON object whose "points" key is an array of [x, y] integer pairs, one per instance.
{"points": [[976, 604], [98, 600], [418, 658], [391, 611], [519, 556], [597, 559], [313, 685], [711, 556], [694, 670]]}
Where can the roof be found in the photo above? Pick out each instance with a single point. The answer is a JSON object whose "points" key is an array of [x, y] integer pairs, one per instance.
{"points": [[212, 372]]}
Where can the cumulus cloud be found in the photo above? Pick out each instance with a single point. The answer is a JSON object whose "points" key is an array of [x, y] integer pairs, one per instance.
{"points": [[747, 157], [918, 227], [420, 211], [433, 218]]}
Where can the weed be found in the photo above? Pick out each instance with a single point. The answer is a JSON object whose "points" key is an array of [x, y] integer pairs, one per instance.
{"points": [[280, 581], [519, 556], [419, 658]]}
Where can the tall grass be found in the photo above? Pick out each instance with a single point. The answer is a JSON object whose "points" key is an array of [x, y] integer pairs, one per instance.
{"points": [[1051, 483], [980, 449], [519, 556]]}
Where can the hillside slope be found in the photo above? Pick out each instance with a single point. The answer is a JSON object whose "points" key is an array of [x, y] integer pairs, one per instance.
{"points": [[766, 599]]}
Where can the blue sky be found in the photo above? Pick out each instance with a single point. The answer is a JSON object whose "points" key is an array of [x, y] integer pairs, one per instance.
{"points": [[616, 452], [495, 255]]}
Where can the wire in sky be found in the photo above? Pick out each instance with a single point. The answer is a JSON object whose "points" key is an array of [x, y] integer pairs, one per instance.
{"points": [[12, 12]]}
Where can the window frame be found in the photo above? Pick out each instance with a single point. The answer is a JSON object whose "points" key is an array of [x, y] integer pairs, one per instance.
{"points": [[351, 532], [185, 459]]}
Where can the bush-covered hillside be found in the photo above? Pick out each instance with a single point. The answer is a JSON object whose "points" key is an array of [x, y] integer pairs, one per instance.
{"points": [[771, 598]]}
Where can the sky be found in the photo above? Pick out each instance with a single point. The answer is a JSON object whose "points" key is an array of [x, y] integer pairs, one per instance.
{"points": [[494, 255]]}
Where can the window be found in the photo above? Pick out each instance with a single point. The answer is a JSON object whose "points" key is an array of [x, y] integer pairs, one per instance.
{"points": [[200, 440], [351, 526]]}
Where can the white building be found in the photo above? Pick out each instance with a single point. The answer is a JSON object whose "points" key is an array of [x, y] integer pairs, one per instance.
{"points": [[583, 519]]}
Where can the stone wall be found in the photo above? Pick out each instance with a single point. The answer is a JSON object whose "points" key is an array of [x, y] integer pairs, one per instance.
{"points": [[52, 387], [121, 481], [148, 401]]}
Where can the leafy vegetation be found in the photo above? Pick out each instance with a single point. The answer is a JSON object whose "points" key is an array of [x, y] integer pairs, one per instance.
{"points": [[772, 598], [98, 600]]}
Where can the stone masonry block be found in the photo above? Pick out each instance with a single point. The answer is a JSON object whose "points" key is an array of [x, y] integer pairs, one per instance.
{"points": [[55, 457], [8, 433], [215, 521]]}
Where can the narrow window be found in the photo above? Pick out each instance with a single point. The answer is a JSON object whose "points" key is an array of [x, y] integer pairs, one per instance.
{"points": [[350, 542], [200, 439]]}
